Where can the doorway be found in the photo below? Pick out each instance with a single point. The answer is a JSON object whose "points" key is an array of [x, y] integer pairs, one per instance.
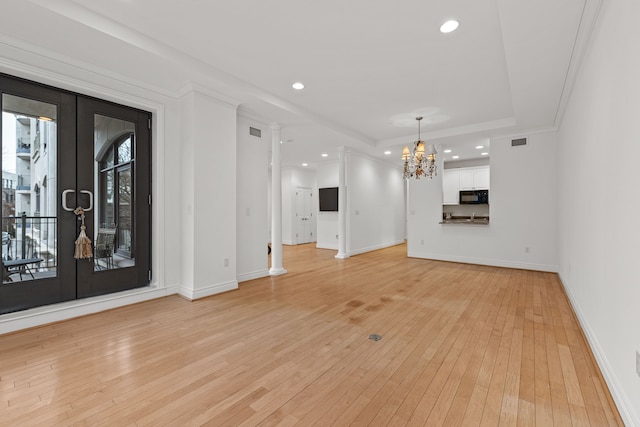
{"points": [[62, 151]]}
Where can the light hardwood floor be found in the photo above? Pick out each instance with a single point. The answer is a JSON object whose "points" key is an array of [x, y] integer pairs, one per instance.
{"points": [[461, 345]]}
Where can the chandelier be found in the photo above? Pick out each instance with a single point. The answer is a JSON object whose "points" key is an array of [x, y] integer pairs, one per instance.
{"points": [[420, 163]]}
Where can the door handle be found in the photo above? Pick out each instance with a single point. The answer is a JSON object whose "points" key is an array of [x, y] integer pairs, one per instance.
{"points": [[69, 191], [90, 199], [64, 200]]}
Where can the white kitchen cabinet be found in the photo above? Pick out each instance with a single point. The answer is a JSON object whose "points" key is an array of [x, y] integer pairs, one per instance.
{"points": [[474, 178], [454, 180], [451, 187], [481, 178], [466, 179]]}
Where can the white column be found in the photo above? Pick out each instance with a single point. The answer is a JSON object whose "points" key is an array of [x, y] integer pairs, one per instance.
{"points": [[276, 204], [342, 205]]}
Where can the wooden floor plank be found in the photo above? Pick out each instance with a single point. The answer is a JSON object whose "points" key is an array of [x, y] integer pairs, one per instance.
{"points": [[461, 345]]}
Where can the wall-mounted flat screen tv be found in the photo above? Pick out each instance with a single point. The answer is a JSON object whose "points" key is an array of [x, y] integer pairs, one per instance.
{"points": [[328, 198]]}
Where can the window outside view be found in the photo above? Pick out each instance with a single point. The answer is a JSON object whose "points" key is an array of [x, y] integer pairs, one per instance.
{"points": [[29, 241]]}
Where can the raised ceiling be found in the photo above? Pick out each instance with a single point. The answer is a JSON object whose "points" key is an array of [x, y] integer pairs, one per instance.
{"points": [[369, 67]]}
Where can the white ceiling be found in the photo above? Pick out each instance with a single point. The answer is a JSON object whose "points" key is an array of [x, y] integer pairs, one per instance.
{"points": [[369, 67]]}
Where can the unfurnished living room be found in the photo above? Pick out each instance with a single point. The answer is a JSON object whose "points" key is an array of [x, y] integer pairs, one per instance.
{"points": [[340, 213]]}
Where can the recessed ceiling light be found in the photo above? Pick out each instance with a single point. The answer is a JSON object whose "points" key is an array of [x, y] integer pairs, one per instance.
{"points": [[455, 157], [387, 152], [297, 86], [449, 26], [447, 151], [325, 155], [305, 164], [484, 154], [281, 142], [479, 147]]}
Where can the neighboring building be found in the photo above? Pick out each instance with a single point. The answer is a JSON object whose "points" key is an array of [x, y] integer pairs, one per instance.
{"points": [[28, 191]]}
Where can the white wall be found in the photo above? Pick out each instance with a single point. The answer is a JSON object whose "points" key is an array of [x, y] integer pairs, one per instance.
{"points": [[599, 204], [375, 194], [252, 228], [209, 197], [327, 224], [522, 212]]}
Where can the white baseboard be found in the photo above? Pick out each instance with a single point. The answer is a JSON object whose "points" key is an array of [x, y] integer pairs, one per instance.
{"points": [[207, 291], [326, 246], [482, 261], [375, 247], [627, 412], [39, 316], [253, 275]]}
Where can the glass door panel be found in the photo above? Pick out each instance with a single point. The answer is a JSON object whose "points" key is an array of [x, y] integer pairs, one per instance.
{"points": [[113, 156], [29, 208]]}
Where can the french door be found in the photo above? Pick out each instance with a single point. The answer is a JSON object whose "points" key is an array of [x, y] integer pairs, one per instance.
{"points": [[65, 155]]}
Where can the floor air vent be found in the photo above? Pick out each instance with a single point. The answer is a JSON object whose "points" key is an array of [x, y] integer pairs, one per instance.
{"points": [[518, 142], [255, 132]]}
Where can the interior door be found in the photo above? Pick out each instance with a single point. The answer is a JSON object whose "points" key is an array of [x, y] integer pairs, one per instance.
{"points": [[61, 151], [304, 231]]}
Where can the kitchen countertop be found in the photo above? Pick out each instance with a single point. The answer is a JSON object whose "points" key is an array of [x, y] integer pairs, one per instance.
{"points": [[479, 220]]}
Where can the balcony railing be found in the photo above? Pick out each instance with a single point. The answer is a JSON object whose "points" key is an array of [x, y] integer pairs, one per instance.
{"points": [[23, 146], [26, 237]]}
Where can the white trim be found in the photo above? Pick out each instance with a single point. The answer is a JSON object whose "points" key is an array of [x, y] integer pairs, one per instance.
{"points": [[190, 87], [627, 412], [323, 246], [70, 64], [207, 291], [277, 271], [376, 247], [252, 275], [490, 262], [289, 243], [39, 316]]}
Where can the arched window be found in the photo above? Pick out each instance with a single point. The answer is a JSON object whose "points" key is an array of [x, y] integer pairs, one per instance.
{"points": [[116, 208]]}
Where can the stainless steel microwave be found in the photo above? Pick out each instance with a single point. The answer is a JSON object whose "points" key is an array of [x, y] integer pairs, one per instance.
{"points": [[474, 197]]}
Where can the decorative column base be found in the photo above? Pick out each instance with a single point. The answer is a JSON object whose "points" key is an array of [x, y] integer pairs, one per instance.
{"points": [[342, 256], [277, 271]]}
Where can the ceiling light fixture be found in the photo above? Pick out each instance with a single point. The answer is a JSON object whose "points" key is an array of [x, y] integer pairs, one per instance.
{"points": [[479, 147], [421, 162], [447, 151], [324, 155], [387, 152], [305, 164], [484, 154], [449, 26], [455, 157], [297, 86]]}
